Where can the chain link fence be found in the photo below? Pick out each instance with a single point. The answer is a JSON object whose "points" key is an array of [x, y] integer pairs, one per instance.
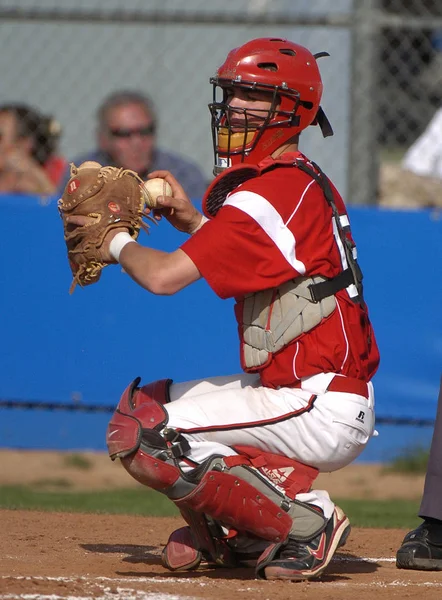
{"points": [[410, 78], [382, 82]]}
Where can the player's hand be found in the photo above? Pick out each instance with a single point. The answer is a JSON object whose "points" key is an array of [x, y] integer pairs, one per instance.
{"points": [[83, 220], [177, 209]]}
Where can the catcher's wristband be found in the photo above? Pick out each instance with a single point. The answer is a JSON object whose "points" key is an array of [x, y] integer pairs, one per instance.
{"points": [[201, 223], [117, 244]]}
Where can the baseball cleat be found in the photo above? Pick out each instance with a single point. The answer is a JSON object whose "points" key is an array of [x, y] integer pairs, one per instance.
{"points": [[422, 548], [306, 560]]}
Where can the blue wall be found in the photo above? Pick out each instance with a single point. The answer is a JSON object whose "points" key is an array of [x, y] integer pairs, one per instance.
{"points": [[93, 343]]}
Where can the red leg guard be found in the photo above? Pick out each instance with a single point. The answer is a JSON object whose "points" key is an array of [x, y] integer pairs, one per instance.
{"points": [[150, 471], [233, 501], [255, 494], [287, 475], [236, 492]]}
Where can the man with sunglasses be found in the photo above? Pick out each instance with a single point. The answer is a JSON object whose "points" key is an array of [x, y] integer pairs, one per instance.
{"points": [[126, 137], [238, 454]]}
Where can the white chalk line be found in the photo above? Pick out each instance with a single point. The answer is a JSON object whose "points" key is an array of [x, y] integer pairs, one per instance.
{"points": [[356, 559], [124, 594], [107, 592], [117, 593], [88, 579]]}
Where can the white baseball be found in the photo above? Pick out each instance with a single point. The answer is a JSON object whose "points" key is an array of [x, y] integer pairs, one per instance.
{"points": [[155, 187], [90, 164]]}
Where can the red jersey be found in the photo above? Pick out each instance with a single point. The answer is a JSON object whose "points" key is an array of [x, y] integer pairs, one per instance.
{"points": [[272, 229]]}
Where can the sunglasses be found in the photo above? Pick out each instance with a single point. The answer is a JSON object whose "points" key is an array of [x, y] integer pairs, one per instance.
{"points": [[128, 133]]}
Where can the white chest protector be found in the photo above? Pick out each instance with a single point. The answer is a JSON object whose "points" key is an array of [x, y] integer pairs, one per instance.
{"points": [[273, 318]]}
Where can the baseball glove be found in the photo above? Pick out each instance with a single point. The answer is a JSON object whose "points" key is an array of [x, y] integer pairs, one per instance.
{"points": [[110, 197]]}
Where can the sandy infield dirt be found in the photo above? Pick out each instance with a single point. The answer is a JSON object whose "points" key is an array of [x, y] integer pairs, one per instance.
{"points": [[51, 556]]}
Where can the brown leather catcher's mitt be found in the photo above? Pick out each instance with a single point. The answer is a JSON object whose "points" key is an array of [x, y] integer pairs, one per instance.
{"points": [[112, 197]]}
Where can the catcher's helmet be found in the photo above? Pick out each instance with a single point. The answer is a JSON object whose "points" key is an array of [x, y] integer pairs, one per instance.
{"points": [[289, 73]]}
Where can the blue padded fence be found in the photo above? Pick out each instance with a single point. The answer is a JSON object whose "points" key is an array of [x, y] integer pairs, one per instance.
{"points": [[82, 350]]}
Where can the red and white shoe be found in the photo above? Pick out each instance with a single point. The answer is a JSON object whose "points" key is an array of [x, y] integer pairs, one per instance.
{"points": [[297, 560]]}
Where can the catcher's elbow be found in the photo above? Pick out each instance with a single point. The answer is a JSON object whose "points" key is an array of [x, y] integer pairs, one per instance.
{"points": [[164, 274], [163, 290], [160, 285]]}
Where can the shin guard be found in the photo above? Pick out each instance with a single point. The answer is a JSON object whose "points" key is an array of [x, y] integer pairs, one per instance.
{"points": [[247, 501]]}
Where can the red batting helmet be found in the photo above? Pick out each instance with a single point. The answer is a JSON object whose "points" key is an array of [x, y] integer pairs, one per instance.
{"points": [[286, 70]]}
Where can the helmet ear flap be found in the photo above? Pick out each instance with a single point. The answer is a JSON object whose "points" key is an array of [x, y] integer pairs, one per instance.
{"points": [[323, 122]]}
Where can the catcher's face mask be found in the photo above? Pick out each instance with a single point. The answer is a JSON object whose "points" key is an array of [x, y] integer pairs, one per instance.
{"points": [[289, 75]]}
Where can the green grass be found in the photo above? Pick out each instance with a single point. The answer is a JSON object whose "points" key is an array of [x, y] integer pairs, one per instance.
{"points": [[128, 502], [145, 502], [77, 461], [413, 461], [381, 513], [59, 483]]}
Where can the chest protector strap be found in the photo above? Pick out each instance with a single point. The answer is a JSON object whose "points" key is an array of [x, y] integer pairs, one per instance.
{"points": [[353, 273]]}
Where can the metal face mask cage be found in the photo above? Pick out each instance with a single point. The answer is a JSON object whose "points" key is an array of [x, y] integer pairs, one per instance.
{"points": [[227, 142]]}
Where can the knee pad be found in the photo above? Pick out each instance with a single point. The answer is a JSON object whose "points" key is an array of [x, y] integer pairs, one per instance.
{"points": [[138, 436], [137, 408], [134, 396]]}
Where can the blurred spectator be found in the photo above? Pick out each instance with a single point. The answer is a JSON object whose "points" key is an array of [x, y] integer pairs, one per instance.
{"points": [[126, 137], [431, 78], [417, 182], [29, 162], [424, 157]]}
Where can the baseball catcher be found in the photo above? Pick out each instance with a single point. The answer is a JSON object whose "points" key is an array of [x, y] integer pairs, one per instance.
{"points": [[238, 455]]}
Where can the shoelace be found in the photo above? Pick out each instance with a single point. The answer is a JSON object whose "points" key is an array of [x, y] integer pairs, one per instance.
{"points": [[294, 548]]}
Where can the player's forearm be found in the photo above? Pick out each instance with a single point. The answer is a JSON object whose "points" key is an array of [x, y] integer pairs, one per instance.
{"points": [[158, 272]]}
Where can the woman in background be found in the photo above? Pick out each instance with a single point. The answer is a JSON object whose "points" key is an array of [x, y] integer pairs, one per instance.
{"points": [[29, 162]]}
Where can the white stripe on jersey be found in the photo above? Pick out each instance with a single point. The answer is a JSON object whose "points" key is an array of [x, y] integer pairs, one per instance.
{"points": [[268, 218], [351, 289]]}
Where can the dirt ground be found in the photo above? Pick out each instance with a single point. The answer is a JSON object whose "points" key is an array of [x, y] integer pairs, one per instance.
{"points": [[55, 556]]}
